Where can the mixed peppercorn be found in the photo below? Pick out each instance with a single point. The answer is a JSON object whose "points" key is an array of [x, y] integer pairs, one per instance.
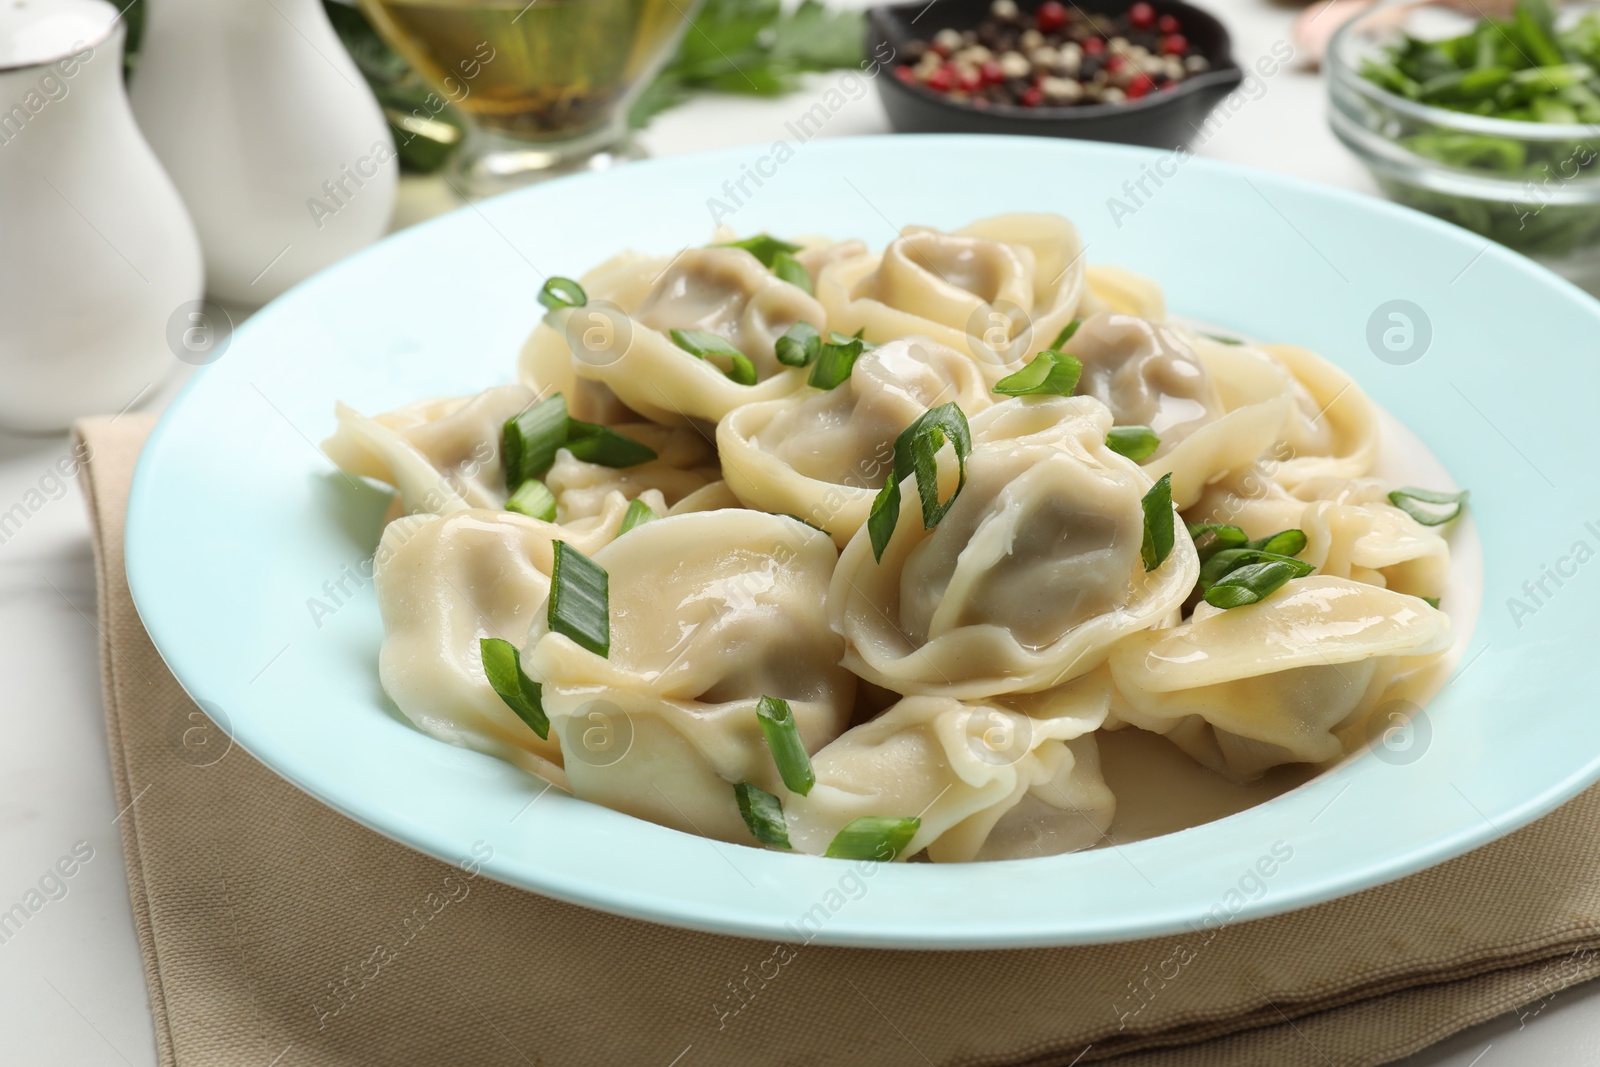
{"points": [[1055, 57]]}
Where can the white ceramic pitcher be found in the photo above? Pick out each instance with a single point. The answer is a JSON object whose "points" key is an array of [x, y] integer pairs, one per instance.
{"points": [[98, 254], [272, 136]]}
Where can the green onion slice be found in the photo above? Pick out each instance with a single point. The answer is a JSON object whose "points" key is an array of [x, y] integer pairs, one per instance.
{"points": [[835, 361], [534, 499], [799, 345], [602, 445], [916, 452], [638, 514], [764, 247], [788, 269], [1211, 537], [874, 837], [835, 337], [1050, 373], [529, 440], [502, 665], [559, 293], [1431, 601], [763, 813], [1135, 442], [580, 600], [1282, 543], [1254, 582], [1444, 506], [703, 344], [1221, 340], [1224, 563], [783, 741], [1159, 523], [1066, 334]]}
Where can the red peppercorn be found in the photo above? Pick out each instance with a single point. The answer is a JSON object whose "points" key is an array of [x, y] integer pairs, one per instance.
{"points": [[1094, 46], [969, 81], [1050, 17], [905, 74], [1139, 86], [991, 73], [941, 80], [1168, 24], [1032, 97], [1116, 63], [1141, 16], [1174, 44]]}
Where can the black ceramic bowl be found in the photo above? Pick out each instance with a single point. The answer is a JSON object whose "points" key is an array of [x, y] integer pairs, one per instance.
{"points": [[1165, 119]]}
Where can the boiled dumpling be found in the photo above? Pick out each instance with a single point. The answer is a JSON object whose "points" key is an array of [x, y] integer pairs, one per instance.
{"points": [[1251, 687], [443, 582], [1000, 289], [685, 463], [724, 291], [823, 455], [1334, 432], [442, 455], [1031, 575], [958, 767], [1112, 288], [709, 612]]}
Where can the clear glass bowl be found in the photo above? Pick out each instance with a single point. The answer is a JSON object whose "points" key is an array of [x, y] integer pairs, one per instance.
{"points": [[1534, 187]]}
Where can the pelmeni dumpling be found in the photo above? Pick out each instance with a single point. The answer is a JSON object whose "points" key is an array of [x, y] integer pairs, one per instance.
{"points": [[709, 612], [443, 582], [1252, 687], [1029, 577], [823, 455], [725, 291], [546, 362], [442, 455], [1000, 289], [1334, 432], [1112, 288], [1352, 530], [819, 253], [960, 768]]}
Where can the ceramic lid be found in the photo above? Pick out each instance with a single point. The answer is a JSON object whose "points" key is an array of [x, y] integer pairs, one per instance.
{"points": [[34, 32]]}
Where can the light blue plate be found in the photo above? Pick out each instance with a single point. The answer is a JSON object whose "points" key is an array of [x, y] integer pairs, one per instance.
{"points": [[236, 522]]}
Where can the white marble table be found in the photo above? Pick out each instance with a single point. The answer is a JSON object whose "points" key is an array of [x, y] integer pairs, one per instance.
{"points": [[71, 979]]}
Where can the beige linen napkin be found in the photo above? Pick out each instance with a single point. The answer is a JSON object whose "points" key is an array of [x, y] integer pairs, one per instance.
{"points": [[277, 932]]}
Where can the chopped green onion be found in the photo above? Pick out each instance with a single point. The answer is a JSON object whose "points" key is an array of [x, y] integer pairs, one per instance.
{"points": [[799, 345], [1221, 340], [638, 514], [534, 499], [763, 814], [1254, 582], [580, 600], [788, 269], [835, 337], [604, 446], [1135, 442], [1445, 506], [1431, 601], [562, 293], [1159, 522], [502, 665], [1210, 538], [1282, 543], [871, 836], [1224, 563], [764, 247], [835, 361], [704, 344], [783, 741], [916, 452], [1066, 334], [1050, 373], [804, 522], [529, 440]]}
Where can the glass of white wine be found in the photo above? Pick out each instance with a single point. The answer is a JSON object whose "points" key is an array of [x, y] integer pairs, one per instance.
{"points": [[545, 85]]}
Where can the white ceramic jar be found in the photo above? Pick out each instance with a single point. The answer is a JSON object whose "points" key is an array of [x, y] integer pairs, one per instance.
{"points": [[97, 255], [271, 135]]}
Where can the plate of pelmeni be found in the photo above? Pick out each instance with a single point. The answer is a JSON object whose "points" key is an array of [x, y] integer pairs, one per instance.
{"points": [[923, 520]]}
